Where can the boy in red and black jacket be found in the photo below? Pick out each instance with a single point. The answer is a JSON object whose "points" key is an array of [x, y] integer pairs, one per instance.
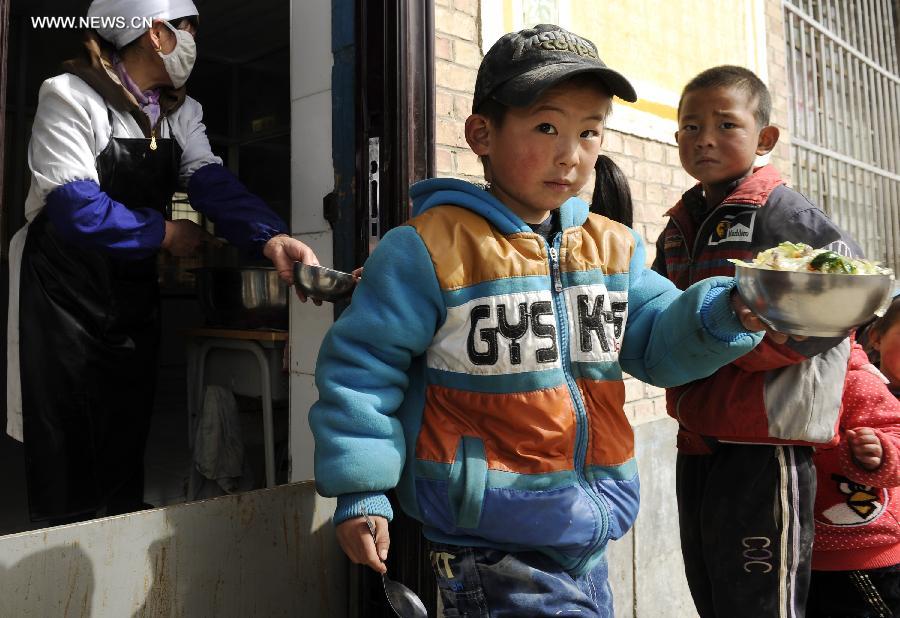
{"points": [[745, 475]]}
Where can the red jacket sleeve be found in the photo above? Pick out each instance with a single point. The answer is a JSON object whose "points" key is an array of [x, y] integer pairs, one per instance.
{"points": [[868, 403], [769, 355]]}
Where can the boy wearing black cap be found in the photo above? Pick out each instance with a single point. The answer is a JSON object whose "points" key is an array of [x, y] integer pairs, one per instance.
{"points": [[478, 370]]}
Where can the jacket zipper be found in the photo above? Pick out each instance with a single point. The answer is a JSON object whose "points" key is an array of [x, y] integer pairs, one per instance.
{"points": [[554, 269], [581, 434]]}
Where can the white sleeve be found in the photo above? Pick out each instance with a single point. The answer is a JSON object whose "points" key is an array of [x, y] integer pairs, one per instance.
{"points": [[190, 133], [70, 121]]}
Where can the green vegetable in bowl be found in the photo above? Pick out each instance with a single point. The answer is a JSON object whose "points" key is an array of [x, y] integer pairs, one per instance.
{"points": [[831, 262]]}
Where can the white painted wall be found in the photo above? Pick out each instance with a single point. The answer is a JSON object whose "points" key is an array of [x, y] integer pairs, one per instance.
{"points": [[312, 177]]}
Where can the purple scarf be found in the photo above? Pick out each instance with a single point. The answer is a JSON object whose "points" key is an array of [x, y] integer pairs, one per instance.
{"points": [[148, 100]]}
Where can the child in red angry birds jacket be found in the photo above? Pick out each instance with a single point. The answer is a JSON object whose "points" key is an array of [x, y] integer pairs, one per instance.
{"points": [[856, 554]]}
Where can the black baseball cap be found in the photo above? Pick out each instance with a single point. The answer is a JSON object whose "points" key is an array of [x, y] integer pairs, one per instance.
{"points": [[521, 65]]}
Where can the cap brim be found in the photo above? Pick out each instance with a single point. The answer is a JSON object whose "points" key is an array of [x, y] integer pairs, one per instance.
{"points": [[524, 89]]}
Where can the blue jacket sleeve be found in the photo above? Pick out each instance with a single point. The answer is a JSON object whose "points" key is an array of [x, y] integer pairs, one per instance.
{"points": [[673, 337], [361, 375], [241, 217], [86, 216]]}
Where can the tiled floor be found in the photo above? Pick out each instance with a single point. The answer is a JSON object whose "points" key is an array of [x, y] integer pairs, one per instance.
{"points": [[168, 459]]}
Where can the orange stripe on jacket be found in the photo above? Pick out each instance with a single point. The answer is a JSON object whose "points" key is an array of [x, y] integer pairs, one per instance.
{"points": [[611, 437], [466, 249], [600, 242], [528, 433]]}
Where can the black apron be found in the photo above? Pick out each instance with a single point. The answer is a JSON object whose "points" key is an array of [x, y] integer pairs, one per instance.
{"points": [[89, 329]]}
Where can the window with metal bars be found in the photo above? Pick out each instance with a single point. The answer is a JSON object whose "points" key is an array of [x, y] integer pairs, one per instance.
{"points": [[842, 64]]}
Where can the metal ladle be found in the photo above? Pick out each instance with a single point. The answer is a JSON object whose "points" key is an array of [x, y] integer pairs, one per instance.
{"points": [[402, 600]]}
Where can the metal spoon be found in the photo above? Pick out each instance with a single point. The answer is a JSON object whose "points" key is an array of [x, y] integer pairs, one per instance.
{"points": [[402, 600]]}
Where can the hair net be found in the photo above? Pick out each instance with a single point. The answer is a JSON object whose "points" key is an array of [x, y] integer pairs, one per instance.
{"points": [[121, 18]]}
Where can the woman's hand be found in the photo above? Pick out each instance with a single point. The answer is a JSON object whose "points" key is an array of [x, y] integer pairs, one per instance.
{"points": [[355, 539], [865, 447], [283, 251], [184, 238]]}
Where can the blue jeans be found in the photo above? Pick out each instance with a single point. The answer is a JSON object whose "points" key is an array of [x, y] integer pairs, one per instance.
{"points": [[486, 583]]}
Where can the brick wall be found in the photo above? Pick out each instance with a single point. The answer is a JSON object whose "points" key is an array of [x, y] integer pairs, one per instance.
{"points": [[653, 168], [776, 55], [457, 51]]}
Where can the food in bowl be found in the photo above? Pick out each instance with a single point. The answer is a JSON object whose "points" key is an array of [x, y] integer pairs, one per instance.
{"points": [[799, 257], [803, 291]]}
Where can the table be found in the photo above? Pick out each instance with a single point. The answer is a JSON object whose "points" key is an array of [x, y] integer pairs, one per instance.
{"points": [[249, 362]]}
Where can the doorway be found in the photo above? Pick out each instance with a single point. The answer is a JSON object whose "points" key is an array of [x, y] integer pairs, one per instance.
{"points": [[242, 79], [393, 147]]}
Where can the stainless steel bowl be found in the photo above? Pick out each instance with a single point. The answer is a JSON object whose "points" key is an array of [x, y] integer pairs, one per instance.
{"points": [[812, 304], [322, 283], [242, 297]]}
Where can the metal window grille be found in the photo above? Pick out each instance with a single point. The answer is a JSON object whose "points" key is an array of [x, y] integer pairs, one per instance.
{"points": [[842, 63]]}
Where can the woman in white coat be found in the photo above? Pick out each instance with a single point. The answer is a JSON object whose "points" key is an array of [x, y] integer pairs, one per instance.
{"points": [[114, 137]]}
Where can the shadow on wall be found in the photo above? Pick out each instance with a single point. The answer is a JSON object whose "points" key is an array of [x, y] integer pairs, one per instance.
{"points": [[58, 581], [260, 554]]}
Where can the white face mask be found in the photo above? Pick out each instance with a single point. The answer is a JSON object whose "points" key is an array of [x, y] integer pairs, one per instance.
{"points": [[180, 61]]}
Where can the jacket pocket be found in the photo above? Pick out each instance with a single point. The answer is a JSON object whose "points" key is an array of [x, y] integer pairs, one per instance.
{"points": [[621, 498], [468, 481]]}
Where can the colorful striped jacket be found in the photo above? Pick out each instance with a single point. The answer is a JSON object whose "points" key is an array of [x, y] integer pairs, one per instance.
{"points": [[479, 371], [781, 394]]}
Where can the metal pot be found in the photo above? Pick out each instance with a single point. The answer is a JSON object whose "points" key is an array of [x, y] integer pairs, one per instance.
{"points": [[248, 297]]}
